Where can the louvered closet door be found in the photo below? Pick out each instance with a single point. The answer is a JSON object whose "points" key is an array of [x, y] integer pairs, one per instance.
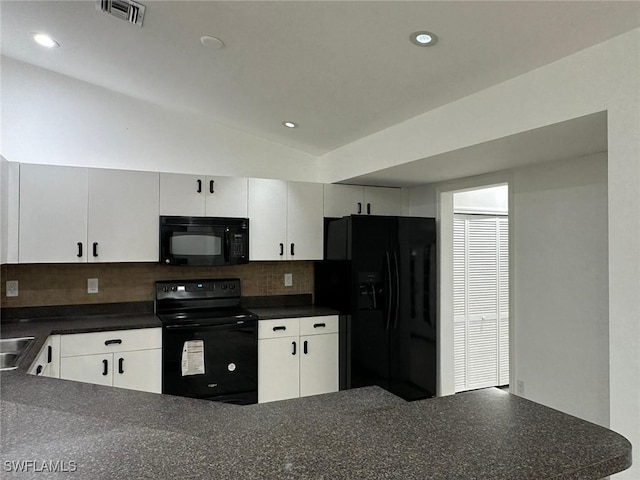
{"points": [[481, 336]]}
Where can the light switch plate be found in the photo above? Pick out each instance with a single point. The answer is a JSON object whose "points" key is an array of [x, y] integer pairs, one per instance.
{"points": [[92, 285], [12, 288], [288, 279]]}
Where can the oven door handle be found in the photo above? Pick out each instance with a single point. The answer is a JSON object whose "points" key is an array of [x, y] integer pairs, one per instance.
{"points": [[183, 326]]}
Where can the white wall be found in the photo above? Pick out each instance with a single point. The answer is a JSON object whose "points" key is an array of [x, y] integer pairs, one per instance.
{"points": [[422, 201], [602, 78], [4, 201], [53, 119], [560, 285]]}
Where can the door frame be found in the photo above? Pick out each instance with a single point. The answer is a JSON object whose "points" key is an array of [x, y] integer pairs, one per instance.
{"points": [[444, 223]]}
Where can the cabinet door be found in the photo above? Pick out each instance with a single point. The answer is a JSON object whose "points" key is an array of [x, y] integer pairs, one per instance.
{"points": [[40, 365], [226, 197], [52, 356], [182, 195], [267, 219], [138, 370], [304, 221], [318, 364], [343, 200], [123, 216], [88, 368], [53, 214], [278, 369], [382, 201]]}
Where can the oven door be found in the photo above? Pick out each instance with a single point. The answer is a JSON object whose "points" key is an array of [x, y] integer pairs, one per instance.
{"points": [[216, 361]]}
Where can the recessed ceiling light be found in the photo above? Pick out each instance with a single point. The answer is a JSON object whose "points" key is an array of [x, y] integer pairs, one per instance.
{"points": [[423, 39], [212, 42], [45, 40], [290, 124]]}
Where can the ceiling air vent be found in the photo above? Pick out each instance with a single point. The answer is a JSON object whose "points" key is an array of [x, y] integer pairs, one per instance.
{"points": [[132, 12]]}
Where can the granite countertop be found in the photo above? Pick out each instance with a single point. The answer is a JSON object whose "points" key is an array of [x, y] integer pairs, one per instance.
{"points": [[367, 433], [266, 313]]}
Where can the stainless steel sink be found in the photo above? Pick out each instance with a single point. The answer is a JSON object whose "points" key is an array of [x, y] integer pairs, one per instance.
{"points": [[12, 350]]}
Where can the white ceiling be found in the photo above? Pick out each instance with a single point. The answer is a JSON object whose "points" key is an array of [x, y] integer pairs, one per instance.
{"points": [[341, 69]]}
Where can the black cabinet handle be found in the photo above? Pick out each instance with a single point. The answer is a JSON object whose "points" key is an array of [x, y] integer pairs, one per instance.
{"points": [[319, 325], [79, 249], [359, 207], [39, 370], [294, 348], [199, 186], [368, 209], [116, 341], [211, 190], [121, 365], [49, 354], [292, 251], [275, 329], [95, 249], [305, 349], [281, 249], [105, 367]]}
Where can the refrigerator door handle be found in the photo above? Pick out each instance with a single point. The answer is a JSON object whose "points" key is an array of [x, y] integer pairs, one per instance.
{"points": [[395, 260], [389, 290]]}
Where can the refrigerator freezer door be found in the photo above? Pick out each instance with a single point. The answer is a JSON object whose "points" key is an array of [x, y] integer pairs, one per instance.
{"points": [[370, 325]]}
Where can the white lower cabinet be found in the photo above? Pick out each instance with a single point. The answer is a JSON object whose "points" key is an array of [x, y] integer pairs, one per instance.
{"points": [[297, 357], [121, 358], [47, 363]]}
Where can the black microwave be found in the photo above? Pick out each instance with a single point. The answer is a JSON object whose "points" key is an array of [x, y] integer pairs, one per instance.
{"points": [[204, 241]]}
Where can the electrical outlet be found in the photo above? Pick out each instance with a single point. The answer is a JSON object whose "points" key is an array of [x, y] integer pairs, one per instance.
{"points": [[520, 387], [12, 288], [92, 285], [288, 279]]}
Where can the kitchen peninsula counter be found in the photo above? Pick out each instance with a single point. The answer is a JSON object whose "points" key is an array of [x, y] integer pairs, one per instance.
{"points": [[367, 433]]}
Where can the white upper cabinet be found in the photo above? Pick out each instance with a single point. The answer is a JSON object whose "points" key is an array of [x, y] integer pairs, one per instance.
{"points": [[304, 221], [382, 201], [70, 214], [123, 216], [267, 219], [285, 220], [53, 214], [199, 196], [343, 200]]}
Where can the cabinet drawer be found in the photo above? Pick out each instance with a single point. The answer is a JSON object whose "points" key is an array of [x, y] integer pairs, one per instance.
{"points": [[110, 342], [279, 327], [319, 325]]}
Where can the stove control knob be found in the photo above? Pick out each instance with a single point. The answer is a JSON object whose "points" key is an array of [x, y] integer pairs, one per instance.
{"points": [[165, 289], [174, 288]]}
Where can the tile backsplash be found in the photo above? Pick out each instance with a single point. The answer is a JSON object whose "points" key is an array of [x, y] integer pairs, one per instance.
{"points": [[66, 284]]}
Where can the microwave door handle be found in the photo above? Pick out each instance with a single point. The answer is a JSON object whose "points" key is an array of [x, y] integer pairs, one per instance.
{"points": [[227, 245]]}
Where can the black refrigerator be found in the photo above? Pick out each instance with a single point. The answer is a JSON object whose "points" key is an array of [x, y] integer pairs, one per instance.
{"points": [[380, 273]]}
